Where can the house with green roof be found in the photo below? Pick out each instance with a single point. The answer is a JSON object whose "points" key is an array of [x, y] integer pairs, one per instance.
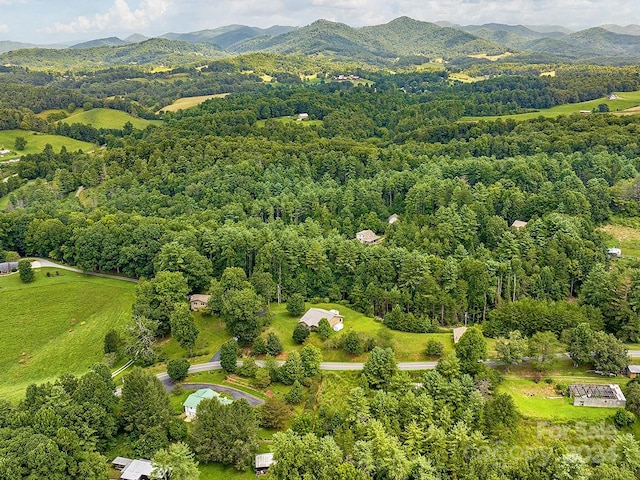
{"points": [[193, 400]]}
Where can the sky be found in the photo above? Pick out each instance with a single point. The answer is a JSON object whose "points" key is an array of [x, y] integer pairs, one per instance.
{"points": [[55, 21]]}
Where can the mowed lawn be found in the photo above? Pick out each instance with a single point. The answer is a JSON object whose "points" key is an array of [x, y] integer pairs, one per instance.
{"points": [[37, 141], [408, 346], [108, 118], [541, 401], [56, 325], [627, 100]]}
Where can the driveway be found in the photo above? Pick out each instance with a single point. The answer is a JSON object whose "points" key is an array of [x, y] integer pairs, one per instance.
{"points": [[48, 263]]}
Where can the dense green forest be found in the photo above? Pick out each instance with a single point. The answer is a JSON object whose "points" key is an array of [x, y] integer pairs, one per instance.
{"points": [[230, 199]]}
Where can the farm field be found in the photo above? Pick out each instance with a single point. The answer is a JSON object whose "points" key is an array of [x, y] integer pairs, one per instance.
{"points": [[37, 141], [108, 118], [43, 338], [189, 102], [627, 100]]}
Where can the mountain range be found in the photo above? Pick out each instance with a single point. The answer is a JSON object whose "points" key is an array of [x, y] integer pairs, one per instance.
{"points": [[402, 37]]}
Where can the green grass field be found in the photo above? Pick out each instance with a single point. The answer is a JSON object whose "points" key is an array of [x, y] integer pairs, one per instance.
{"points": [[189, 102], [37, 141], [627, 100], [540, 400], [56, 325], [408, 346], [624, 237], [306, 123], [108, 118]]}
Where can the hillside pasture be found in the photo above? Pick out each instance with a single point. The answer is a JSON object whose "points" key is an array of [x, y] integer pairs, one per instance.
{"points": [[109, 119], [624, 237], [190, 102], [617, 106], [56, 325], [37, 141]]}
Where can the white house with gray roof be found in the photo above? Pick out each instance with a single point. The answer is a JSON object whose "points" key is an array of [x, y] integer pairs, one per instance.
{"points": [[313, 316]]}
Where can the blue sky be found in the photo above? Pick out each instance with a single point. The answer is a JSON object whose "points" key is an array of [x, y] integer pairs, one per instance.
{"points": [[51, 21]]}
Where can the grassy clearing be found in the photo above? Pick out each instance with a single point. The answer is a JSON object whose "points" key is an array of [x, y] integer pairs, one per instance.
{"points": [[491, 58], [624, 237], [408, 346], [541, 401], [211, 337], [306, 123], [108, 118], [56, 325], [216, 471], [626, 101], [37, 141], [189, 102]]}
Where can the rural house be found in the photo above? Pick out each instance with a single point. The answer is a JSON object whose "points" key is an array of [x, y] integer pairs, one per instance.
{"points": [[393, 219], [457, 333], [303, 116], [263, 462], [632, 371], [593, 395], [518, 224], [313, 316], [193, 400], [133, 469], [367, 237], [198, 301]]}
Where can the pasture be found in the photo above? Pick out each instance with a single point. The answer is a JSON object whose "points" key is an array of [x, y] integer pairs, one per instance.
{"points": [[624, 237], [37, 141], [56, 325], [627, 101], [109, 119], [189, 102]]}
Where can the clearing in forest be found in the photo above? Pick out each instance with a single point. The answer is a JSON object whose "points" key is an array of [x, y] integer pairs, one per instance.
{"points": [[108, 118], [189, 102]]}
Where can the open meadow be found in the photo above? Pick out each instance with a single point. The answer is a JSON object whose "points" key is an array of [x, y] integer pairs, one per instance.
{"points": [[108, 118], [56, 325], [189, 102], [626, 101], [37, 141]]}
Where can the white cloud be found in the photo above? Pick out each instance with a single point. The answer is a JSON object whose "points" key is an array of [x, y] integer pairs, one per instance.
{"points": [[120, 17]]}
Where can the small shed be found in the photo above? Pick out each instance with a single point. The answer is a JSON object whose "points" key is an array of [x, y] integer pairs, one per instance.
{"points": [[518, 224], [313, 316], [263, 462], [8, 267], [367, 237], [393, 219], [199, 301], [594, 395], [614, 252], [303, 116], [193, 400], [457, 333], [632, 371]]}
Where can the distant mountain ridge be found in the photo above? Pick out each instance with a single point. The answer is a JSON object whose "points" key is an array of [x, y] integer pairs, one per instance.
{"points": [[377, 44]]}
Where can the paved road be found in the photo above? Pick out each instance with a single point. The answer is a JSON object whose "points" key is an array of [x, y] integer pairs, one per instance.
{"points": [[237, 394], [48, 263], [634, 353]]}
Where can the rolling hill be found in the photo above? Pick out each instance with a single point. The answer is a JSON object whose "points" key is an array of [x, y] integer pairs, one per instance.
{"points": [[100, 42], [594, 42], [227, 36]]}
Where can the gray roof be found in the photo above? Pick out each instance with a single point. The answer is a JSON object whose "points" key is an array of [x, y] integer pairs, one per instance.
{"points": [[634, 368], [314, 315], [611, 391], [197, 297], [6, 267], [137, 469], [367, 236], [121, 461], [264, 460]]}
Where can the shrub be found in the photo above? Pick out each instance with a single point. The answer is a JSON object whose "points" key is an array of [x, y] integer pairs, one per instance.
{"points": [[623, 418], [112, 341], [248, 368], [26, 272], [274, 345], [294, 396], [229, 356], [300, 333], [259, 346], [262, 378], [434, 348], [324, 329], [178, 369], [352, 343]]}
